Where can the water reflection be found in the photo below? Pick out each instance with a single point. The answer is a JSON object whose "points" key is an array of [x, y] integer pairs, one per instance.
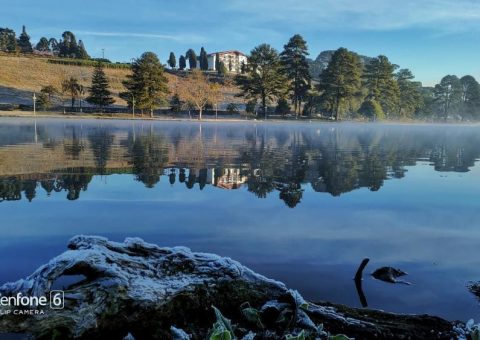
{"points": [[266, 160]]}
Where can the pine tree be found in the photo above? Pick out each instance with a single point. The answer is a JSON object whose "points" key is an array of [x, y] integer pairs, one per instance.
{"points": [[340, 81], [172, 61], [379, 80], [147, 84], [68, 46], [264, 78], [24, 42], [294, 60], [182, 63], [8, 42], [81, 52], [410, 98], [203, 60], [448, 95], [470, 96], [192, 59], [43, 45], [100, 94]]}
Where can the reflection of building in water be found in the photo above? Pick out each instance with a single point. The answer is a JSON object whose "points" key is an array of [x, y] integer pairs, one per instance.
{"points": [[227, 178]]}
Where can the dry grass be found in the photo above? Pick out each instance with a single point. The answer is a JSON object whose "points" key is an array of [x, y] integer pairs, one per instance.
{"points": [[31, 74]]}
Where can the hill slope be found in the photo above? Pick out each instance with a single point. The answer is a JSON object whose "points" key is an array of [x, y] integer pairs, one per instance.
{"points": [[21, 76]]}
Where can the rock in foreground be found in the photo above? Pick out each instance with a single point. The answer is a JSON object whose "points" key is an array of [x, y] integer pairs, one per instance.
{"points": [[148, 291]]}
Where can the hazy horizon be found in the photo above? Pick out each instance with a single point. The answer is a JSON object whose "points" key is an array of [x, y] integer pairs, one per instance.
{"points": [[432, 38]]}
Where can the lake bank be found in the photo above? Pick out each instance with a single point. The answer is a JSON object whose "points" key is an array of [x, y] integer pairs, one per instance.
{"points": [[208, 118]]}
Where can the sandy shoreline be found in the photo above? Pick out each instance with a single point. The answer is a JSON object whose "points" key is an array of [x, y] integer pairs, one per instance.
{"points": [[222, 119]]}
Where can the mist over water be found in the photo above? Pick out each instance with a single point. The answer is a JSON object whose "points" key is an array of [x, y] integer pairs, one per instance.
{"points": [[301, 203]]}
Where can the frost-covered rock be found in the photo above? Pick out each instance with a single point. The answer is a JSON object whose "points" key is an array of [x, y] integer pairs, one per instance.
{"points": [[142, 291]]}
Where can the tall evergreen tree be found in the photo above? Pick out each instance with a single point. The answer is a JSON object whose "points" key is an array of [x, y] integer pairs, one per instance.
{"points": [[470, 98], [182, 63], [54, 45], [410, 98], [172, 61], [203, 60], [8, 41], [100, 94], [24, 42], [264, 78], [43, 45], [81, 52], [68, 46], [340, 81], [192, 59], [379, 80], [147, 84], [448, 95], [294, 60]]}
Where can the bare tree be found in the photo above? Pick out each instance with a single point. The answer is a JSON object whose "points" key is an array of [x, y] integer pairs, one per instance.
{"points": [[197, 91]]}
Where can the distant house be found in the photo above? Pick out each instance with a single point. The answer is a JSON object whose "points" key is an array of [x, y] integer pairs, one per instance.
{"points": [[232, 60]]}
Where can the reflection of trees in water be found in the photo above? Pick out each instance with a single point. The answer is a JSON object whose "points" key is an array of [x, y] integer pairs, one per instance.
{"points": [[12, 188], [149, 155], [101, 140], [265, 161], [73, 145]]}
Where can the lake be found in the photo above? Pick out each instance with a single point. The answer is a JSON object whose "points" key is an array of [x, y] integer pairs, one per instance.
{"points": [[303, 203]]}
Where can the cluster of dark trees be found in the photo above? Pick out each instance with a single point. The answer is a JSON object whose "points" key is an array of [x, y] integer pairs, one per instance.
{"points": [[349, 87], [66, 47], [195, 61]]}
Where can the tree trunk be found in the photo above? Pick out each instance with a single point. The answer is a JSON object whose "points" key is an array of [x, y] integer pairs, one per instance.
{"points": [[264, 106], [151, 113], [200, 114]]}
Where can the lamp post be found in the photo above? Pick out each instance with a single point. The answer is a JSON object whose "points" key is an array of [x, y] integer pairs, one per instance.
{"points": [[34, 106], [133, 105]]}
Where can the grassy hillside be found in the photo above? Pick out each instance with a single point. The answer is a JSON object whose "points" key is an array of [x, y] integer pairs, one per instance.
{"points": [[20, 76]]}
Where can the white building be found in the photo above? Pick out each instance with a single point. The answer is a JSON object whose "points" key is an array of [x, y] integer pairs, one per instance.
{"points": [[232, 60]]}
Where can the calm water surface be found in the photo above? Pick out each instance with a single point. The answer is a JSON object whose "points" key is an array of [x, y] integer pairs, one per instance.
{"points": [[301, 203]]}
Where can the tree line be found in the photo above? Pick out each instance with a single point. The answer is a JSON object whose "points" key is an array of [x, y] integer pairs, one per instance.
{"points": [[350, 88], [66, 47]]}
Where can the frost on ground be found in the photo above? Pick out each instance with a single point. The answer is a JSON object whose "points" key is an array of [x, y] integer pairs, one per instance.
{"points": [[149, 292]]}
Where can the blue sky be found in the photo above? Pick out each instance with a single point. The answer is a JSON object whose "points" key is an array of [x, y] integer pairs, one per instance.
{"points": [[431, 37]]}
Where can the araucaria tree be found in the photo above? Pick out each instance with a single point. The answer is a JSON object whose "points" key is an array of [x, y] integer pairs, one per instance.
{"points": [[203, 60], [100, 94], [340, 82], [147, 85], [172, 61], [24, 42], [380, 82], [295, 65], [192, 59], [197, 91], [264, 78]]}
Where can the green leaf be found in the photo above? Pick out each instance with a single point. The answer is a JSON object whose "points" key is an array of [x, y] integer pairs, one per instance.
{"points": [[339, 337], [253, 316], [300, 336], [221, 335]]}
